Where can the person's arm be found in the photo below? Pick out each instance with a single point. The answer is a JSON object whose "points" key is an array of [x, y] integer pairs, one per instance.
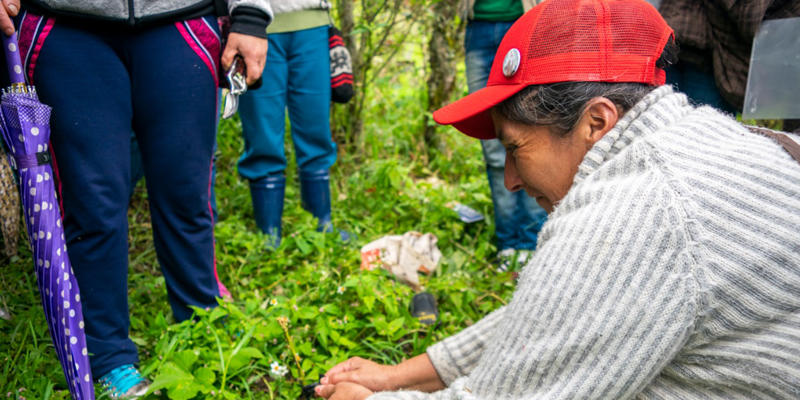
{"points": [[248, 35], [438, 367], [746, 15], [459, 354], [416, 373], [609, 299]]}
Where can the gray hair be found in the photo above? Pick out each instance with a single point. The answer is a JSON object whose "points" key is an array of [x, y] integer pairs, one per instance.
{"points": [[561, 105]]}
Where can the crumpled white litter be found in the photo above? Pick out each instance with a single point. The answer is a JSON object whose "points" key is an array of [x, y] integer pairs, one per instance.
{"points": [[403, 256]]}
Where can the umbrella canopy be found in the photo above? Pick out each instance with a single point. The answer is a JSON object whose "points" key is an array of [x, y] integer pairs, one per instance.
{"points": [[24, 123]]}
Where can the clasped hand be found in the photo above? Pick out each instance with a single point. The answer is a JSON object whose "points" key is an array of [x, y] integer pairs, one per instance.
{"points": [[354, 379], [357, 378]]}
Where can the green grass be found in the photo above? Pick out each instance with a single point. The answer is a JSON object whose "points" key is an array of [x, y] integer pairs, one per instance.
{"points": [[385, 186]]}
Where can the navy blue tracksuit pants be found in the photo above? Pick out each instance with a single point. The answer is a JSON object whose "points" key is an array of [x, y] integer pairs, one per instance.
{"points": [[160, 84]]}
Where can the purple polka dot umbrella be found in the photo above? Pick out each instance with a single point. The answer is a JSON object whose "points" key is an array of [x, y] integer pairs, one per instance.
{"points": [[24, 123]]}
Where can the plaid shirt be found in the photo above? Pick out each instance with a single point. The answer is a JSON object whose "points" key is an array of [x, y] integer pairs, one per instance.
{"points": [[718, 35]]}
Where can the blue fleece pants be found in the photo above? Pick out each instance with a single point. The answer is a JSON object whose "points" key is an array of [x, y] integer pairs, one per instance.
{"points": [[104, 85]]}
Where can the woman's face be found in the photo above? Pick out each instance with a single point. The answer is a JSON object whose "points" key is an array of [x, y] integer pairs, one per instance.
{"points": [[544, 165]]}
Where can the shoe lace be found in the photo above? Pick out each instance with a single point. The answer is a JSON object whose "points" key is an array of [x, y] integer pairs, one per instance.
{"points": [[120, 380]]}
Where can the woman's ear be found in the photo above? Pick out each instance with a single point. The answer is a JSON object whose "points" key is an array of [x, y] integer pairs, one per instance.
{"points": [[600, 117]]}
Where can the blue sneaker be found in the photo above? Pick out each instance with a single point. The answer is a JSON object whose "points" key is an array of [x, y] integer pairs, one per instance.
{"points": [[125, 382]]}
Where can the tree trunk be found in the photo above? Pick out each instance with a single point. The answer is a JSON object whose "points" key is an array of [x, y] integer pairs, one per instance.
{"points": [[376, 31], [443, 46], [345, 117]]}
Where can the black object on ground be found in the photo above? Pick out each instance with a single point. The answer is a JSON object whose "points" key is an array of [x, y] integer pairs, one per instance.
{"points": [[423, 308], [308, 391]]}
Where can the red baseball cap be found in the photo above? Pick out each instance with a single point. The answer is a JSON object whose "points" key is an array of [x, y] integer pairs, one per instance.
{"points": [[566, 41]]}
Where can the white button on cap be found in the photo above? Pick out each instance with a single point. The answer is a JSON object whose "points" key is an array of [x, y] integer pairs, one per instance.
{"points": [[511, 63]]}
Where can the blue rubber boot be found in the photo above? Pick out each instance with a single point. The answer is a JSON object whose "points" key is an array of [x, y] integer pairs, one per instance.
{"points": [[267, 195], [315, 194]]}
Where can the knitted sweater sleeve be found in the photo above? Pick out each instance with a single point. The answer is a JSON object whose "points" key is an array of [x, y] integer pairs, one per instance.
{"points": [[457, 355], [250, 17], [609, 299]]}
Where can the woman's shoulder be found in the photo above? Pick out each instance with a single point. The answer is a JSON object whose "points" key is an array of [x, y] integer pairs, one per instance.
{"points": [[717, 163]]}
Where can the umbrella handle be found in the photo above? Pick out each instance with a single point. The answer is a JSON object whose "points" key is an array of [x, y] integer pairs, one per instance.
{"points": [[11, 47]]}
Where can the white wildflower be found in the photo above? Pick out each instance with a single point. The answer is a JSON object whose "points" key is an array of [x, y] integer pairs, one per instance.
{"points": [[277, 369]]}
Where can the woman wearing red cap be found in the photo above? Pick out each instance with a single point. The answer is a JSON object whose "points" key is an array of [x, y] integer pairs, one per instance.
{"points": [[670, 263]]}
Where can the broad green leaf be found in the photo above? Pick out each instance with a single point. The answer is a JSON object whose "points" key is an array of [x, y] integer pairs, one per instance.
{"points": [[170, 376], [307, 313], [322, 335], [305, 349], [242, 358], [185, 359], [237, 362], [269, 329], [198, 311], [138, 341], [395, 325], [205, 376], [347, 342], [352, 282], [161, 322], [307, 364], [251, 352], [184, 391], [380, 325], [391, 305], [369, 301], [303, 245], [331, 309], [457, 299], [217, 313], [399, 334]]}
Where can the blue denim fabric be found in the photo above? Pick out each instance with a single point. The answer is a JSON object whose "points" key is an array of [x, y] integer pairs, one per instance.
{"points": [[297, 76], [518, 218], [698, 85]]}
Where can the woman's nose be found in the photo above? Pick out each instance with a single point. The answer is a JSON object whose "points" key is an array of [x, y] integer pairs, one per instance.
{"points": [[512, 180]]}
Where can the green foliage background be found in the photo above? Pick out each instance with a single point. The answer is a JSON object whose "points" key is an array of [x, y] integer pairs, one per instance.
{"points": [[385, 183]]}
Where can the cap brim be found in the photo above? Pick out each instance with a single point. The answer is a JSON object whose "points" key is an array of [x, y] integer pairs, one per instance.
{"points": [[471, 115]]}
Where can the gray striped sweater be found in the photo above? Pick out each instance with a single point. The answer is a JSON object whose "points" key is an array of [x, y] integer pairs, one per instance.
{"points": [[670, 270]]}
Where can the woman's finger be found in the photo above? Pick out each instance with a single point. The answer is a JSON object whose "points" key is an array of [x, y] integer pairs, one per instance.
{"points": [[369, 375], [347, 365], [325, 391], [346, 376]]}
